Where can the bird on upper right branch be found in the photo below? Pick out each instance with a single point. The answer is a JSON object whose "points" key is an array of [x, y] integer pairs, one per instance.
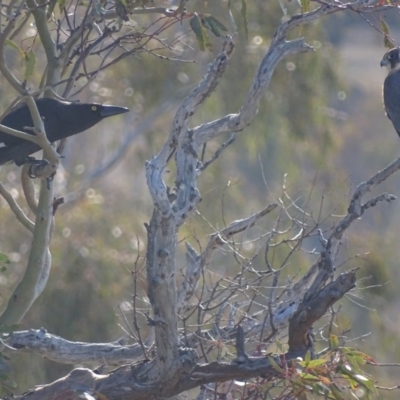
{"points": [[61, 120], [391, 87]]}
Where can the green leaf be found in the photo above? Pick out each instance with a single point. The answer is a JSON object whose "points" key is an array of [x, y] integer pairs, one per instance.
{"points": [[356, 380], [307, 357], [279, 346], [14, 46], [334, 342], [4, 259], [207, 41], [195, 24], [385, 27], [316, 363], [387, 41], [275, 365], [305, 6], [30, 61], [309, 377], [201, 34], [353, 383], [245, 21], [214, 25]]}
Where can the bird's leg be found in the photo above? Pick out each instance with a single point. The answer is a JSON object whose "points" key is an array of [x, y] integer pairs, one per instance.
{"points": [[41, 169], [36, 167]]}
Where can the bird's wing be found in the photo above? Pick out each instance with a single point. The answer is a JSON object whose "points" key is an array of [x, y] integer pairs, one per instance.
{"points": [[17, 153], [395, 119], [391, 99], [18, 118], [10, 140]]}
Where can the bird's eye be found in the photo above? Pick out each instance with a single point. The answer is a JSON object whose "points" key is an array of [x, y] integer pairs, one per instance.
{"points": [[94, 108], [390, 56]]}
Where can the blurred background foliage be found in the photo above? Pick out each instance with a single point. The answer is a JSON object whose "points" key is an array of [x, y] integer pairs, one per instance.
{"points": [[321, 124]]}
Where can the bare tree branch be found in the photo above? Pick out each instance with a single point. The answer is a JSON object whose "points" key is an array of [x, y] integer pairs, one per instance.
{"points": [[196, 263], [64, 351], [39, 261], [16, 209]]}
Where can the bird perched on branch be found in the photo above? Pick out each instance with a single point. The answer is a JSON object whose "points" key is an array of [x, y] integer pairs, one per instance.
{"points": [[61, 120], [391, 87]]}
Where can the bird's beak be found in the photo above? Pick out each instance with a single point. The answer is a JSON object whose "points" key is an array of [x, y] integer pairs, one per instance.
{"points": [[109, 111], [384, 63]]}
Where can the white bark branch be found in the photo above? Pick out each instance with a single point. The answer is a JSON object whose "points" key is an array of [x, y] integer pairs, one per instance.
{"points": [[156, 167], [16, 209], [169, 213], [64, 351], [38, 266]]}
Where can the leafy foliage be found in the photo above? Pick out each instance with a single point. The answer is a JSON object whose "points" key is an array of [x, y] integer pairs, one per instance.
{"points": [[387, 41], [334, 375], [4, 260], [200, 23]]}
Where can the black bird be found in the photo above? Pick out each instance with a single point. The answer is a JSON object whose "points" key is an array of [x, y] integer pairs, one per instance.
{"points": [[61, 120], [391, 87]]}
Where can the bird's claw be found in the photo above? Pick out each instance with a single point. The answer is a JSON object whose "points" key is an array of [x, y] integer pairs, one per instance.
{"points": [[36, 167]]}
